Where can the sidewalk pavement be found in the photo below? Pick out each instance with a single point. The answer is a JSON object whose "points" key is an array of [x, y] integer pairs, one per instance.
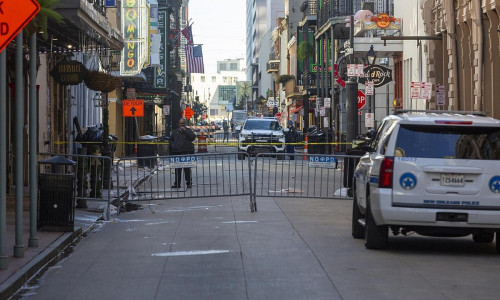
{"points": [[50, 244]]}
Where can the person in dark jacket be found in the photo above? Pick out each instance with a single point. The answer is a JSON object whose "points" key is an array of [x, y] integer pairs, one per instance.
{"points": [[290, 139], [181, 142]]}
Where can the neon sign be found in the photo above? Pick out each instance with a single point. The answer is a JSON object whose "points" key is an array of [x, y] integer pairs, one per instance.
{"points": [[134, 14]]}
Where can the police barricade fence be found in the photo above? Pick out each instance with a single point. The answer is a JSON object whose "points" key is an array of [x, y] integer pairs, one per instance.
{"points": [[301, 175], [212, 175], [90, 182], [222, 141]]}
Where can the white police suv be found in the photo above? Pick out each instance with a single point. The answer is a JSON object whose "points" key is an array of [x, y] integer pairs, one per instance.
{"points": [[261, 135], [436, 173]]}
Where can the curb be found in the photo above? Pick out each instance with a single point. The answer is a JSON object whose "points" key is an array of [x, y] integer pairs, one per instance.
{"points": [[37, 264]]}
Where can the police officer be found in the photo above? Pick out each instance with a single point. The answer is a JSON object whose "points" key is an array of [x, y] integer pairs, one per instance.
{"points": [[181, 142]]}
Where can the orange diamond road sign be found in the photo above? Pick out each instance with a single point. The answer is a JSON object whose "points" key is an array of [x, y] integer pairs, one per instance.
{"points": [[188, 113], [133, 108], [14, 16]]}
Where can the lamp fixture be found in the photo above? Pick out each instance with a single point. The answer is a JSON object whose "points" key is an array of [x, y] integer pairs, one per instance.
{"points": [[371, 56], [97, 100]]}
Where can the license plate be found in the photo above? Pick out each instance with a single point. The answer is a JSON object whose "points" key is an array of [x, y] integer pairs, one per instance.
{"points": [[452, 180]]}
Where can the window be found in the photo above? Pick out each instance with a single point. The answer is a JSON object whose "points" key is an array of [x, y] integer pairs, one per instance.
{"points": [[449, 142], [226, 93], [213, 112], [223, 67], [202, 78], [233, 67], [214, 79], [262, 125]]}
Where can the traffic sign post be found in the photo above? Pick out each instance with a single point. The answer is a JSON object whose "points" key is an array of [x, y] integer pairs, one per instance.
{"points": [[133, 108], [15, 15]]}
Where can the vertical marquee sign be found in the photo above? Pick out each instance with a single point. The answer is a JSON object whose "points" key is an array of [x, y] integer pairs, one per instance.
{"points": [[160, 78], [135, 36]]}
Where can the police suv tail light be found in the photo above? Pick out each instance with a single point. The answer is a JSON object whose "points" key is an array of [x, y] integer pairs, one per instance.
{"points": [[386, 170]]}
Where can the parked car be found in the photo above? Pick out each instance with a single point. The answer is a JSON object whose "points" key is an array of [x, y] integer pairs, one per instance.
{"points": [[435, 173], [261, 135]]}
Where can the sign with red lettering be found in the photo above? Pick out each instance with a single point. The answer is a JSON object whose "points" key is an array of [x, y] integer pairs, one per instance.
{"points": [[14, 16], [133, 108], [361, 99]]}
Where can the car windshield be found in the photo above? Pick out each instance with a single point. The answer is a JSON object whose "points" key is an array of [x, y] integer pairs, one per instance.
{"points": [[261, 124], [449, 142]]}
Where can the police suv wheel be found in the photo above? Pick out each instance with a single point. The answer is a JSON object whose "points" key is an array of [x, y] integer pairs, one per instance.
{"points": [[375, 236]]}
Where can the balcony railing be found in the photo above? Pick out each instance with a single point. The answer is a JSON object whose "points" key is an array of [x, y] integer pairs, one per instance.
{"points": [[334, 8], [309, 7]]}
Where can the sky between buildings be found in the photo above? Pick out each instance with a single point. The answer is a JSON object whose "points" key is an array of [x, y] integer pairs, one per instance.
{"points": [[220, 26]]}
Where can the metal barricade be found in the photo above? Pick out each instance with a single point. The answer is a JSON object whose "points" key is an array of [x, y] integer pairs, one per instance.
{"points": [[89, 173], [299, 175], [212, 175]]}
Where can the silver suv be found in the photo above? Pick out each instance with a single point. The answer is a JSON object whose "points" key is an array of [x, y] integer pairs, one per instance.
{"points": [[436, 173], [261, 135]]}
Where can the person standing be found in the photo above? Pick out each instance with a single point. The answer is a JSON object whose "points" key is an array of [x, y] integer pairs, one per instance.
{"points": [[290, 139], [225, 127], [181, 142]]}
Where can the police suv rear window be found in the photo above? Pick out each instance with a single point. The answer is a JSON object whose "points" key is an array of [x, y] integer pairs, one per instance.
{"points": [[448, 142]]}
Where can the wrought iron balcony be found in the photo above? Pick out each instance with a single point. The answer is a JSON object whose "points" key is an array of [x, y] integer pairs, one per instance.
{"points": [[334, 8], [309, 7]]}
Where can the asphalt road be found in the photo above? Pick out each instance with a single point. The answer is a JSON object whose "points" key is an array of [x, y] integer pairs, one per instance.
{"points": [[291, 248]]}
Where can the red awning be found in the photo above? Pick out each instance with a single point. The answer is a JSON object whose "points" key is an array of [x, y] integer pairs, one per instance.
{"points": [[295, 110]]}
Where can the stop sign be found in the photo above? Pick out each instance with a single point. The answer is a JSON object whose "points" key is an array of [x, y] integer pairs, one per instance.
{"points": [[361, 99]]}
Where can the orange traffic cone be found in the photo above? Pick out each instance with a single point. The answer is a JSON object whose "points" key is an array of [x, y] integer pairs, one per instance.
{"points": [[305, 148]]}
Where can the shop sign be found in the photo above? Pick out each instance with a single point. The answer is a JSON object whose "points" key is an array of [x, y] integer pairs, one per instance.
{"points": [[378, 74], [160, 76], [132, 62], [69, 72], [382, 21]]}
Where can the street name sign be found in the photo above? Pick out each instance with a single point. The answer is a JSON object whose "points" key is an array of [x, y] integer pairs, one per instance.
{"points": [[14, 16], [133, 108]]}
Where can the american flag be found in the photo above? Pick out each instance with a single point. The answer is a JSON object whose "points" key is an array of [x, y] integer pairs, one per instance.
{"points": [[194, 59], [188, 34]]}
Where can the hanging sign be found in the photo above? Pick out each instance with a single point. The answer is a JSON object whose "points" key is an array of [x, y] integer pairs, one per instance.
{"points": [[378, 74], [70, 72]]}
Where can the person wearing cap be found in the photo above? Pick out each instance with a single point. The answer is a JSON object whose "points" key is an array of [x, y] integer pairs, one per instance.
{"points": [[290, 139], [181, 142]]}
